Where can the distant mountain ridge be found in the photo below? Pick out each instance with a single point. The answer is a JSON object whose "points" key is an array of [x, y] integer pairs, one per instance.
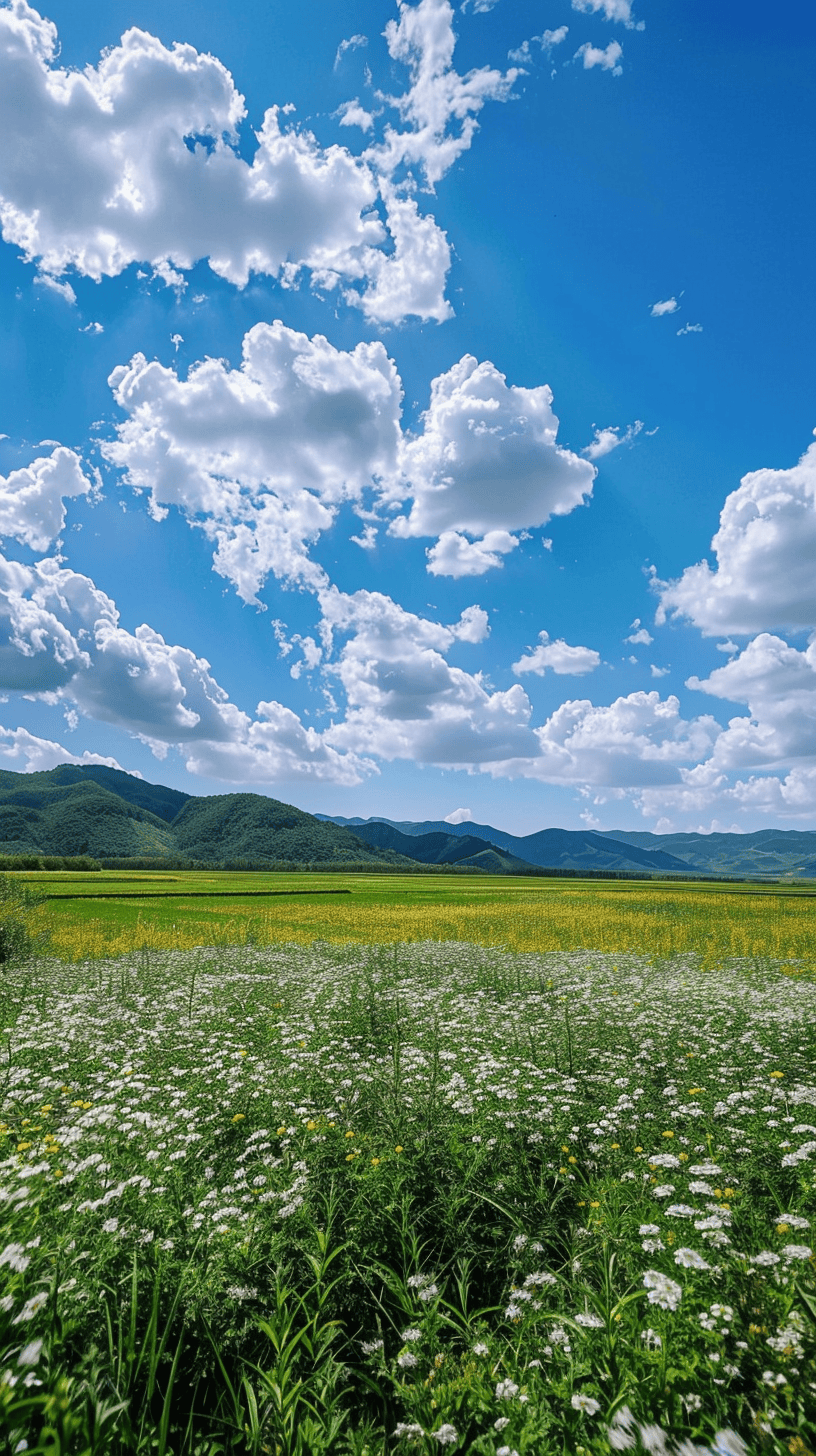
{"points": [[570, 849], [79, 809]]}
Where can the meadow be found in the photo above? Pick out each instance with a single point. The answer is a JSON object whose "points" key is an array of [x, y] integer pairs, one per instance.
{"points": [[497, 1168]]}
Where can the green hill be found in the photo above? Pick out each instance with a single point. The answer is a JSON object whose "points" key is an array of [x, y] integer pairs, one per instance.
{"points": [[227, 828], [108, 815], [41, 815]]}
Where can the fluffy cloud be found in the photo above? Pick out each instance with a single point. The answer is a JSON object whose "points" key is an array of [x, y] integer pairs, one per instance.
{"points": [[765, 548], [405, 700], [547, 41], [559, 657], [453, 555], [263, 454], [778, 684], [138, 160], [635, 741], [608, 59], [32, 508], [664, 306], [486, 461], [411, 279], [29, 754], [59, 634], [609, 439], [260, 457], [611, 10], [438, 99]]}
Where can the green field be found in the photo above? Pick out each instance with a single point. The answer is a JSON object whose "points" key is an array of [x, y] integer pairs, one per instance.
{"points": [[184, 909], [397, 1189]]}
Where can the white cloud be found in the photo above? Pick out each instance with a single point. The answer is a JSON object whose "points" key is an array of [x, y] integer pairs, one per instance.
{"points": [[480, 7], [559, 657], [404, 699], [611, 10], [453, 555], [547, 41], [32, 508], [31, 754], [609, 439], [411, 279], [666, 305], [262, 455], [353, 43], [640, 635], [765, 549], [368, 540], [459, 816], [352, 113], [690, 329], [659, 671], [778, 684], [65, 291], [487, 459], [636, 741], [608, 59], [438, 97], [93, 328], [59, 634], [473, 625], [135, 161]]}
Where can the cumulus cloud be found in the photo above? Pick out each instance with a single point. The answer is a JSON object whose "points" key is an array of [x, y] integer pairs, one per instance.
{"points": [[411, 279], [405, 700], [620, 10], [609, 439], [353, 113], [486, 461], [32, 499], [459, 816], [260, 456], [777, 682], [765, 548], [59, 634], [636, 741], [473, 625], [640, 635], [136, 160], [30, 754], [690, 329], [666, 305], [559, 657], [454, 555], [607, 59], [440, 106]]}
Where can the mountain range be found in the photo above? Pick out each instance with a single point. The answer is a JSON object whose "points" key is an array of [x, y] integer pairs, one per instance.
{"points": [[112, 816]]}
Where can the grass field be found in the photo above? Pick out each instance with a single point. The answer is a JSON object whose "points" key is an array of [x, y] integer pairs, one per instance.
{"points": [[362, 1198], [517, 914]]}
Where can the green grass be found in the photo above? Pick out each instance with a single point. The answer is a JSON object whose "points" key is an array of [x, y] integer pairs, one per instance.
{"points": [[419, 1197], [173, 911]]}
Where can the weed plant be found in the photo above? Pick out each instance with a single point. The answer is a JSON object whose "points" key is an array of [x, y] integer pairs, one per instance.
{"points": [[407, 1199]]}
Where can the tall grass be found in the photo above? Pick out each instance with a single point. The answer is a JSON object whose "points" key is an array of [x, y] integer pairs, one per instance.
{"points": [[365, 1200]]}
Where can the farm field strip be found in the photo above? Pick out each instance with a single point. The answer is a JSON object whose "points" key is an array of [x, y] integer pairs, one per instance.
{"points": [[515, 914], [567, 1200]]}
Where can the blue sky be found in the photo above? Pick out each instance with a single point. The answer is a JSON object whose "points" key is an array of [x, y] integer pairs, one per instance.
{"points": [[409, 409]]}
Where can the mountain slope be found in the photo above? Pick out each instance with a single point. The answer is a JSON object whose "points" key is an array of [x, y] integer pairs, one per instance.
{"points": [[438, 848], [40, 815], [229, 827], [576, 849]]}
